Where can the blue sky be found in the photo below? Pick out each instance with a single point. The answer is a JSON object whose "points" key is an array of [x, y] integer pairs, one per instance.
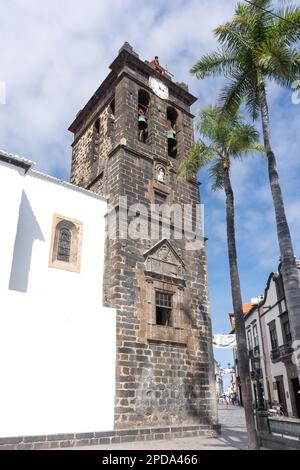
{"points": [[54, 55]]}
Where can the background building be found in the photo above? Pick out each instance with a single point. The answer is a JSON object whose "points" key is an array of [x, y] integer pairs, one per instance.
{"points": [[269, 321], [273, 372], [236, 384]]}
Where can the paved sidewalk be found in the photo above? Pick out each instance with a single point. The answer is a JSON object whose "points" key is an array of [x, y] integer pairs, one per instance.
{"points": [[233, 437]]}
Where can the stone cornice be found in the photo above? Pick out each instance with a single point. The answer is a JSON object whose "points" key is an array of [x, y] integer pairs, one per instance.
{"points": [[110, 79], [123, 59]]}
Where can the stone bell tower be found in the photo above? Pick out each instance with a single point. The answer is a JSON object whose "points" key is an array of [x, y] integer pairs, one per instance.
{"points": [[129, 141]]}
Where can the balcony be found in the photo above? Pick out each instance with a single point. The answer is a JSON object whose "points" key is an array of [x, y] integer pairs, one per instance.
{"points": [[256, 374], [255, 352], [281, 352]]}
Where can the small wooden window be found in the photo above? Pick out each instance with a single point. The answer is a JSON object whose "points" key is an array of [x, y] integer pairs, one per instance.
{"points": [[160, 198], [163, 308]]}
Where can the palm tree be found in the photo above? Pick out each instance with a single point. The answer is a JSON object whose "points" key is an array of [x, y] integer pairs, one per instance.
{"points": [[228, 138], [258, 45]]}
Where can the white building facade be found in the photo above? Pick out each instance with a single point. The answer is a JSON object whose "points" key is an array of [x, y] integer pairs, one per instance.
{"points": [[57, 341], [270, 350]]}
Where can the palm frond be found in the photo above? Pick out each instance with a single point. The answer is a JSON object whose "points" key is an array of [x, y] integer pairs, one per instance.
{"points": [[229, 137], [243, 140], [200, 155], [258, 6], [251, 97], [287, 27], [278, 62], [232, 37], [215, 63], [234, 91], [260, 148], [216, 174]]}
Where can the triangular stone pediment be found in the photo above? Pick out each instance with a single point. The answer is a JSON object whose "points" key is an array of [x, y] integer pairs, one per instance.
{"points": [[163, 259]]}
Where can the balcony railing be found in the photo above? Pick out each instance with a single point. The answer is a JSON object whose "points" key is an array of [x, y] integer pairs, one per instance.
{"points": [[281, 352], [255, 352], [256, 374]]}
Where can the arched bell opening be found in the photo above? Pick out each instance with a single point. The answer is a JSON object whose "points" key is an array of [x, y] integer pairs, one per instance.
{"points": [[97, 127], [143, 115], [111, 119], [95, 140], [112, 107], [171, 132]]}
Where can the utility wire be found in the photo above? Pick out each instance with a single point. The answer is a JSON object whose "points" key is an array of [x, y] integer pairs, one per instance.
{"points": [[269, 11]]}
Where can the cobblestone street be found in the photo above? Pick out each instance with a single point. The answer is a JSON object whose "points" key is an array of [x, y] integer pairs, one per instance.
{"points": [[233, 436]]}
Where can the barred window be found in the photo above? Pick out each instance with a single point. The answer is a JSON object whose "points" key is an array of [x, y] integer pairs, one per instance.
{"points": [[163, 308]]}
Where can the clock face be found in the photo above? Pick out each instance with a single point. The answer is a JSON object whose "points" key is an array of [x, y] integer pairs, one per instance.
{"points": [[159, 88]]}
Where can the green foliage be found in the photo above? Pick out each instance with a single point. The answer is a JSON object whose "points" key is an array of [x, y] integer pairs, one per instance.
{"points": [[255, 46], [222, 137]]}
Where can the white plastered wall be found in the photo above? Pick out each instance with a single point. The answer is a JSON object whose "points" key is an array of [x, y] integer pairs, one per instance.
{"points": [[57, 341]]}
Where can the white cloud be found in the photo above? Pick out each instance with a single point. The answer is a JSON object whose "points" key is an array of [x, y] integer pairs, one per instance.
{"points": [[57, 53]]}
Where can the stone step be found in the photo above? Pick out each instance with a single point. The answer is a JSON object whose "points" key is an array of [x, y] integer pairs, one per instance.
{"points": [[107, 437]]}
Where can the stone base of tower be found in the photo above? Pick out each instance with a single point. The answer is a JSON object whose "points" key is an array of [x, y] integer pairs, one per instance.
{"points": [[163, 383]]}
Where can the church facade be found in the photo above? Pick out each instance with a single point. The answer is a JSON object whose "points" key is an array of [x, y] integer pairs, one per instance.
{"points": [[116, 277]]}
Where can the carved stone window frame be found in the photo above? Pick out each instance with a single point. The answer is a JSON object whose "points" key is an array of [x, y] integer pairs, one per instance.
{"points": [[76, 227], [176, 332], [159, 279]]}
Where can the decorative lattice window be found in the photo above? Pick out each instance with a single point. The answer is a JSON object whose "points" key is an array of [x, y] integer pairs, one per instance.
{"points": [[65, 252], [64, 245]]}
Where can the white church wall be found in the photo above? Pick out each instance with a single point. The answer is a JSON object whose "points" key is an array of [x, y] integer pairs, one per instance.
{"points": [[11, 183], [57, 342]]}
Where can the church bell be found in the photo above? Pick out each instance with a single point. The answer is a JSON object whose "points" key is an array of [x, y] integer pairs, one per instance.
{"points": [[171, 137], [142, 121]]}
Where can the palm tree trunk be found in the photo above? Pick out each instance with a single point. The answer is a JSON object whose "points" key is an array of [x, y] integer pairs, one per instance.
{"points": [[289, 268], [242, 350]]}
